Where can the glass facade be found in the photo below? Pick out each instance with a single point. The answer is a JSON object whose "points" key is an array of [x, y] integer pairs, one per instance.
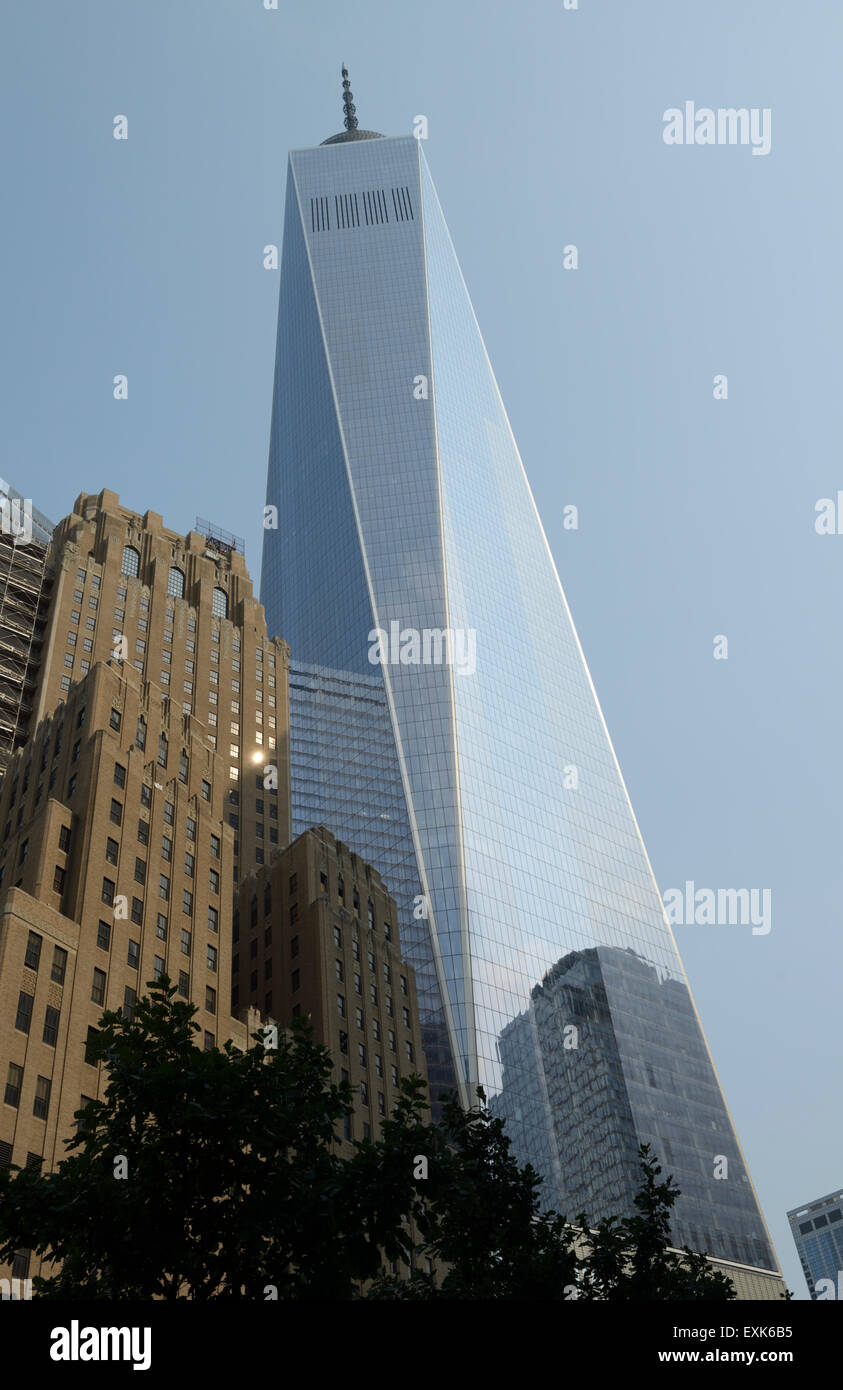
{"points": [[409, 558], [818, 1232]]}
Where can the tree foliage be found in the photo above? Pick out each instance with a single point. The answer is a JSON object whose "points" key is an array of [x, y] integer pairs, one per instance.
{"points": [[218, 1174]]}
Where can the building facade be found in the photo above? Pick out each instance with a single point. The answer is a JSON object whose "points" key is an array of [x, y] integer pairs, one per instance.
{"points": [[115, 868], [316, 933], [408, 552], [180, 611], [818, 1233]]}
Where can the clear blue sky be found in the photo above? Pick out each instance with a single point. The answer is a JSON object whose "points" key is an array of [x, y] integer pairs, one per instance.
{"points": [[696, 515]]}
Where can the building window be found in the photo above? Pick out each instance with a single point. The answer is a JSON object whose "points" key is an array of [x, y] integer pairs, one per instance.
{"points": [[23, 1018], [169, 813], [183, 767], [98, 986], [191, 828], [361, 1054], [212, 958], [405, 1017], [103, 935], [162, 751], [187, 902], [341, 1005], [115, 719], [294, 946], [206, 791], [51, 1026], [130, 997], [164, 888], [143, 832], [213, 920], [175, 583], [137, 910], [116, 811], [210, 1000], [343, 1041], [215, 846], [184, 983], [111, 848], [189, 862], [14, 1082], [157, 967], [376, 1030], [120, 774], [339, 969], [359, 1018], [41, 1104], [185, 941], [134, 955], [409, 1047], [214, 880], [131, 562], [108, 891], [146, 795], [219, 604], [32, 957], [89, 1047], [161, 927], [166, 848]]}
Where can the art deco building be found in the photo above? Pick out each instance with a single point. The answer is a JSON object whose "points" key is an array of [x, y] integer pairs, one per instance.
{"points": [[316, 933], [115, 868], [181, 612], [409, 556], [25, 583]]}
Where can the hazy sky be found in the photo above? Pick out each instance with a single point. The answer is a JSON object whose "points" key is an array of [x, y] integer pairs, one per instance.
{"points": [[696, 515]]}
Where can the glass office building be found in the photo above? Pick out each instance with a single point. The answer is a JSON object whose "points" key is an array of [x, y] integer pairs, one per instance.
{"points": [[818, 1233], [409, 558]]}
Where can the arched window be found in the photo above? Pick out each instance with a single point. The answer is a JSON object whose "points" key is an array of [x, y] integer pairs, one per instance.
{"points": [[219, 606], [131, 561], [175, 583]]}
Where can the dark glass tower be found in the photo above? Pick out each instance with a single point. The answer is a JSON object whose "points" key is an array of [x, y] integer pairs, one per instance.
{"points": [[404, 511]]}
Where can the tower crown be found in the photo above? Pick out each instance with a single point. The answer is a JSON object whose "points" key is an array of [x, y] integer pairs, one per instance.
{"points": [[352, 130]]}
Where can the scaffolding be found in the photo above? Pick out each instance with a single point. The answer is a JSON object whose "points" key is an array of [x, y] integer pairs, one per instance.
{"points": [[25, 584]]}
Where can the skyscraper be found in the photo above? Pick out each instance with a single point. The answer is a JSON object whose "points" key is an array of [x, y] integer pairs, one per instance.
{"points": [[408, 551], [818, 1233]]}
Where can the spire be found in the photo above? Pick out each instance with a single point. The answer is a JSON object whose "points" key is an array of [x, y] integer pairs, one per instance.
{"points": [[348, 106], [351, 132]]}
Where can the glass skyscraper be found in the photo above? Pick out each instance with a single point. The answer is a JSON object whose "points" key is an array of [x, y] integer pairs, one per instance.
{"points": [[818, 1232], [409, 564]]}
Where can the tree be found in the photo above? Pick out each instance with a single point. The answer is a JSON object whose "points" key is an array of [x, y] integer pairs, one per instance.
{"points": [[210, 1174], [217, 1174], [483, 1221]]}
